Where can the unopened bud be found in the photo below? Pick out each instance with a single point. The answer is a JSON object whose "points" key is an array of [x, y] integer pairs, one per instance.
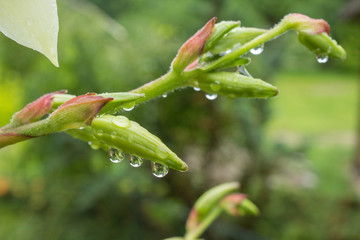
{"points": [[235, 85], [304, 24], [322, 45], [193, 47], [219, 31], [211, 198], [238, 205], [121, 133]]}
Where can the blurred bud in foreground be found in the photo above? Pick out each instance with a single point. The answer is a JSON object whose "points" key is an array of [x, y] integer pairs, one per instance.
{"points": [[208, 201], [238, 205]]}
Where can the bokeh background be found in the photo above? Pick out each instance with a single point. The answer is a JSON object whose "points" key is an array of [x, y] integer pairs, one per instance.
{"points": [[296, 155]]}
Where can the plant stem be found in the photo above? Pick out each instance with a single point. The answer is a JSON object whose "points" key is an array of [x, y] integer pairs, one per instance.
{"points": [[205, 223], [162, 85], [268, 35]]}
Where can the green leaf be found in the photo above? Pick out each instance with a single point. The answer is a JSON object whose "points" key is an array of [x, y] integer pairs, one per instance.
{"points": [[32, 23]]}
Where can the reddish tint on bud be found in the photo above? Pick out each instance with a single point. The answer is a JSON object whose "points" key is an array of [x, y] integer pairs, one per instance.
{"points": [[304, 24], [11, 138], [232, 202], [79, 111], [193, 47], [36, 109], [192, 220]]}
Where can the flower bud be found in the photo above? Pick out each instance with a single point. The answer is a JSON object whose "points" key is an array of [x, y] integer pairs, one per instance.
{"points": [[219, 31], [236, 38], [211, 198], [234, 85], [304, 24], [121, 133], [34, 110], [238, 205], [193, 47], [322, 45]]}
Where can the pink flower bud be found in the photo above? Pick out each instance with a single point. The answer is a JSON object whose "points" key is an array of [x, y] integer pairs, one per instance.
{"points": [[304, 24], [35, 110], [193, 220], [78, 111], [193, 47]]}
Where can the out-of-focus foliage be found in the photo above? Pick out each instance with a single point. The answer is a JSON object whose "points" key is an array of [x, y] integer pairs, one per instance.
{"points": [[58, 188]]}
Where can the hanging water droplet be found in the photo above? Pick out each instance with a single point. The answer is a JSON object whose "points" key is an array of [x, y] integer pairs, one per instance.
{"points": [[94, 146], [129, 106], [197, 89], [257, 50], [159, 170], [115, 155], [121, 121], [164, 95], [211, 96], [215, 86], [322, 58], [135, 161]]}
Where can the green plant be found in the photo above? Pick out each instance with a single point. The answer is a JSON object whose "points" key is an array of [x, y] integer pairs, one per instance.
{"points": [[203, 63]]}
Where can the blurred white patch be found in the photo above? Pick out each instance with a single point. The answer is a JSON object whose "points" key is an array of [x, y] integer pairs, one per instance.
{"points": [[32, 23]]}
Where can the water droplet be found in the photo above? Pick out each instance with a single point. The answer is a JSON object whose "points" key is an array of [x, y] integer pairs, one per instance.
{"points": [[211, 96], [94, 146], [159, 170], [197, 89], [257, 50], [164, 95], [129, 106], [215, 86], [121, 121], [100, 132], [135, 161], [115, 155], [322, 58], [80, 128]]}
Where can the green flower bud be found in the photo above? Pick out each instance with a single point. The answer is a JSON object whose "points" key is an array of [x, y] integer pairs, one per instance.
{"points": [[236, 38], [211, 198], [121, 133], [322, 45], [219, 31], [238, 205], [234, 85]]}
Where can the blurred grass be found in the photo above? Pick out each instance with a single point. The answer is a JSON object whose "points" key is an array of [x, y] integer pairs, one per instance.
{"points": [[314, 103]]}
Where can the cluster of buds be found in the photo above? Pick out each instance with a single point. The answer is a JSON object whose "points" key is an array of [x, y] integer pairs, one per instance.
{"points": [[206, 62], [223, 198]]}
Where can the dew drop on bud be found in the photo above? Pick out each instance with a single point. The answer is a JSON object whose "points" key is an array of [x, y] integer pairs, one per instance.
{"points": [[197, 89], [211, 96], [159, 170], [115, 155], [164, 95], [322, 58], [215, 86], [257, 50], [129, 106], [121, 121], [135, 161], [94, 146]]}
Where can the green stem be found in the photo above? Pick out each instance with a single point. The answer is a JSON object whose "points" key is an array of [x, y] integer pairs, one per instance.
{"points": [[205, 223], [160, 86], [268, 35]]}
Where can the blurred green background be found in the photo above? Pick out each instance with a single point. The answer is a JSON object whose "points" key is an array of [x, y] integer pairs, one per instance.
{"points": [[294, 154]]}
